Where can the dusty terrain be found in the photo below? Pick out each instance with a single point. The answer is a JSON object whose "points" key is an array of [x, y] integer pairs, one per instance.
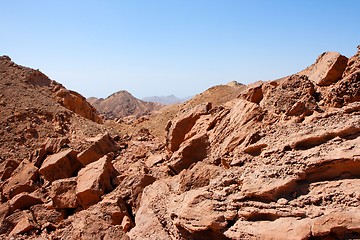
{"points": [[272, 160]]}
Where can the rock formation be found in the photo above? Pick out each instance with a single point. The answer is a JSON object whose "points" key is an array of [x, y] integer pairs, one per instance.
{"points": [[272, 160], [122, 104]]}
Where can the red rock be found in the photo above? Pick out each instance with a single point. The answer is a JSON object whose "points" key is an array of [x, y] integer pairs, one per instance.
{"points": [[293, 96], [25, 224], [182, 124], [101, 145], [131, 187], [327, 69], [47, 218], [154, 159], [344, 91], [341, 224], [54, 145], [63, 193], [353, 64], [23, 201], [38, 157], [78, 104], [4, 211], [7, 168], [104, 220], [60, 165], [253, 94], [94, 180], [191, 151], [22, 181]]}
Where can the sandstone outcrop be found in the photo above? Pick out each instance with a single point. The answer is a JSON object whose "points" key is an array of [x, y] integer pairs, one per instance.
{"points": [[24, 180], [78, 104], [63, 193], [328, 68], [60, 165], [100, 145], [94, 180]]}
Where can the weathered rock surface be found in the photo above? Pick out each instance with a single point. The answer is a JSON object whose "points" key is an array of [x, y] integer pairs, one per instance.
{"points": [[100, 145], [276, 160], [327, 69], [78, 104], [23, 201], [23, 180], [182, 124], [94, 180], [286, 166], [63, 193], [60, 165]]}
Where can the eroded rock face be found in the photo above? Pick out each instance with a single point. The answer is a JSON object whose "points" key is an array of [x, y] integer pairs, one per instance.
{"points": [[327, 69], [94, 180], [78, 104], [182, 124], [22, 181], [100, 145], [280, 161], [285, 166], [345, 91], [63, 193], [60, 165]]}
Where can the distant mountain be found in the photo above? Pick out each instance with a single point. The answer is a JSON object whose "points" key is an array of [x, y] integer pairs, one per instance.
{"points": [[166, 100], [122, 104]]}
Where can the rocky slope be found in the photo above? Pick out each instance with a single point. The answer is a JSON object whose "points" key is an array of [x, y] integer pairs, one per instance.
{"points": [[273, 160], [122, 104], [279, 162], [156, 122]]}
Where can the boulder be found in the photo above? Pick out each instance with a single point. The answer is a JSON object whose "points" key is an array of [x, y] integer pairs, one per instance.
{"points": [[191, 151], [293, 96], [24, 201], [63, 193], [25, 224], [131, 187], [106, 220], [183, 123], [60, 165], [21, 181], [327, 69], [94, 180], [78, 104], [101, 145], [188, 212], [253, 93], [345, 91], [54, 145], [154, 159], [48, 217]]}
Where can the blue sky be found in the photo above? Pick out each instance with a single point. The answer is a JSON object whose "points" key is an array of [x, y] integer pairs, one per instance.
{"points": [[181, 47]]}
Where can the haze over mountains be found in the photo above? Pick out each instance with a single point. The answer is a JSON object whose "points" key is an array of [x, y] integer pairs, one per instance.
{"points": [[166, 100], [269, 160]]}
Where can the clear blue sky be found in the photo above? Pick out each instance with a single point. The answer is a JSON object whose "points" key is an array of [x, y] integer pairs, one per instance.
{"points": [[181, 47]]}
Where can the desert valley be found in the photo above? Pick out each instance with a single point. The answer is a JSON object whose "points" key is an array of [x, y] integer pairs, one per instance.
{"points": [[275, 159]]}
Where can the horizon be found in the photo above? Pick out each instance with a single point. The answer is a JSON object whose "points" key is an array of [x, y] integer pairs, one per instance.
{"points": [[180, 48]]}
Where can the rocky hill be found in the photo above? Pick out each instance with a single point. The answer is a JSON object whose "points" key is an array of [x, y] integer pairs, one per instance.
{"points": [[165, 100], [122, 104], [156, 122], [272, 160]]}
